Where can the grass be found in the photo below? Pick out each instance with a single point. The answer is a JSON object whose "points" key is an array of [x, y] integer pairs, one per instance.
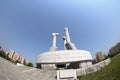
{"points": [[110, 72]]}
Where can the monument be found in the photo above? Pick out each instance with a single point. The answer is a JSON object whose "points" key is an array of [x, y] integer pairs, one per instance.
{"points": [[54, 48], [70, 58]]}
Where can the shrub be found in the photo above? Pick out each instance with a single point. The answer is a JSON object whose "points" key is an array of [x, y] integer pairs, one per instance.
{"points": [[2, 54], [30, 64]]}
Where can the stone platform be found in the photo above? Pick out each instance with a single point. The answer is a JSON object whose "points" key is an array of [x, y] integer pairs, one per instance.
{"points": [[10, 71]]}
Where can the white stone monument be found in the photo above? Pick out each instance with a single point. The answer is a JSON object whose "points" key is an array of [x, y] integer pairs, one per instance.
{"points": [[68, 58], [54, 47]]}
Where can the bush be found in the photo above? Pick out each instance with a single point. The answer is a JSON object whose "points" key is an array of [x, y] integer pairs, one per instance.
{"points": [[2, 54], [30, 64]]}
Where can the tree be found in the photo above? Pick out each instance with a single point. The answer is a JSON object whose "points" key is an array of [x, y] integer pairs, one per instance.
{"points": [[114, 50], [2, 54], [30, 64], [100, 56]]}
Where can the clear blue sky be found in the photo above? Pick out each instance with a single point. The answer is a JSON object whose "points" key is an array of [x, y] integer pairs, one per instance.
{"points": [[26, 25]]}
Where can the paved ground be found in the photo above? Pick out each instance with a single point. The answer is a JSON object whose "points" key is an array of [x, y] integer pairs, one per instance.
{"points": [[9, 71]]}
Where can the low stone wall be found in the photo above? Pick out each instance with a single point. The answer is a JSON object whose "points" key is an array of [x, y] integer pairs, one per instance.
{"points": [[93, 68]]}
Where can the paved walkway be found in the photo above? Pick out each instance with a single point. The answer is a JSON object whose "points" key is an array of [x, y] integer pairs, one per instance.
{"points": [[9, 71]]}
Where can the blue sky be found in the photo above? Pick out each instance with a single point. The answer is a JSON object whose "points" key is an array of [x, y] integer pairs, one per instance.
{"points": [[26, 25]]}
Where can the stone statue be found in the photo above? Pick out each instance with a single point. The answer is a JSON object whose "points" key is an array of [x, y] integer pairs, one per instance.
{"points": [[54, 47]]}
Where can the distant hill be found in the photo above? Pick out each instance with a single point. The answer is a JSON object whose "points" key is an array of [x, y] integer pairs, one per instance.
{"points": [[110, 72]]}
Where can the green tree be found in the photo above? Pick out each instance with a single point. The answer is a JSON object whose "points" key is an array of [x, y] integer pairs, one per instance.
{"points": [[2, 54], [30, 64], [114, 50]]}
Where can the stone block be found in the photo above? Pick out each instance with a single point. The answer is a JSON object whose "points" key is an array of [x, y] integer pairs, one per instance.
{"points": [[107, 61], [81, 72], [90, 69], [66, 75], [101, 64]]}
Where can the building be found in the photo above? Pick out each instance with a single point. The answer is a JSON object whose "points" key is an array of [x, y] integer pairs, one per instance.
{"points": [[16, 57], [11, 53], [22, 60], [71, 57]]}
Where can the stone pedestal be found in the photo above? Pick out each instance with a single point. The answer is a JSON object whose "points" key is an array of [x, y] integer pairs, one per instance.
{"points": [[66, 75]]}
